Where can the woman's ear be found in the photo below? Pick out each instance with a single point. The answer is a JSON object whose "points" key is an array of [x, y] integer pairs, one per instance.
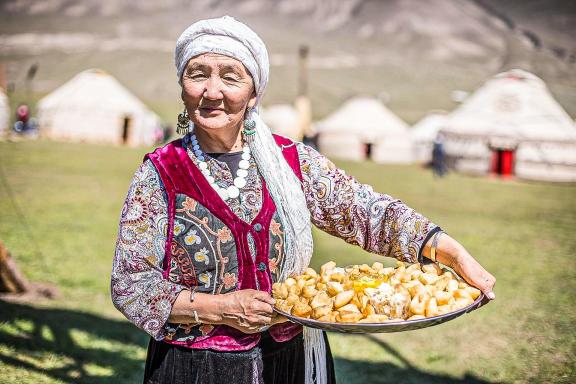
{"points": [[252, 101]]}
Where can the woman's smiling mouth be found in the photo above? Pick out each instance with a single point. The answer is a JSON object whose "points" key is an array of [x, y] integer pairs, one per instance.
{"points": [[210, 109]]}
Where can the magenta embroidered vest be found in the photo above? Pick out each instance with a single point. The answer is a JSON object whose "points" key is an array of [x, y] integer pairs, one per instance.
{"points": [[209, 248]]}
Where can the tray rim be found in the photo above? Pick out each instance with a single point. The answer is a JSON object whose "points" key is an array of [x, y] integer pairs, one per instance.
{"points": [[426, 322]]}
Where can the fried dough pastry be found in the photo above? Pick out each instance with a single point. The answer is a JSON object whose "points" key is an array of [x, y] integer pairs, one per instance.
{"points": [[373, 293]]}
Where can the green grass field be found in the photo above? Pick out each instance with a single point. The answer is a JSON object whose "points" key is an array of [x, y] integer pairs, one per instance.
{"points": [[62, 231]]}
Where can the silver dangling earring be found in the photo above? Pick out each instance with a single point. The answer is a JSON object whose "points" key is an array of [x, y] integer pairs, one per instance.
{"points": [[249, 127], [183, 125]]}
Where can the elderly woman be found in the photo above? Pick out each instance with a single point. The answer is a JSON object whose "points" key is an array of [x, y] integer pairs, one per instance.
{"points": [[211, 221]]}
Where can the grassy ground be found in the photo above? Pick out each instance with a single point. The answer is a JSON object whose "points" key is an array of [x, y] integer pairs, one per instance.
{"points": [[71, 195]]}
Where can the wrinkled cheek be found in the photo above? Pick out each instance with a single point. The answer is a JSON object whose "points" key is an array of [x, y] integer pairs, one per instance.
{"points": [[191, 96], [189, 100], [237, 105]]}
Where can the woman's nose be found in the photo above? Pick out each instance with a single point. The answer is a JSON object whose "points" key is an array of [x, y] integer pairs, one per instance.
{"points": [[213, 89]]}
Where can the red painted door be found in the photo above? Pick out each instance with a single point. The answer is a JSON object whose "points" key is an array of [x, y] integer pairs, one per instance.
{"points": [[506, 163], [502, 162]]}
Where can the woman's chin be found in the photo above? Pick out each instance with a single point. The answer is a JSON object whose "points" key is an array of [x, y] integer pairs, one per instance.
{"points": [[212, 123]]}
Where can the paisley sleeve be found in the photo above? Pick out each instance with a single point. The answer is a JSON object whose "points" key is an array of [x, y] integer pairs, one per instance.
{"points": [[343, 207], [138, 288]]}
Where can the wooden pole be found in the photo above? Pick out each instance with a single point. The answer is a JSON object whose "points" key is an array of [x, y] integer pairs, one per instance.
{"points": [[303, 52], [302, 104], [11, 279]]}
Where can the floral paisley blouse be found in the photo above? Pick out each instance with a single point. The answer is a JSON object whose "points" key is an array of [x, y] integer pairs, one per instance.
{"points": [[338, 205]]}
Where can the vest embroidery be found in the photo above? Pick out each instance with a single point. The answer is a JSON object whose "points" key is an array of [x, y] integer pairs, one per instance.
{"points": [[214, 250]]}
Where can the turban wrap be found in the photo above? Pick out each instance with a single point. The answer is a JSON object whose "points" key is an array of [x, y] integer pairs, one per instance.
{"points": [[229, 37]]}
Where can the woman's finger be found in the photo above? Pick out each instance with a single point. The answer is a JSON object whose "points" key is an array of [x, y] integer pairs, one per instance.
{"points": [[477, 276], [488, 286], [484, 282], [254, 323], [262, 308], [264, 296], [260, 321]]}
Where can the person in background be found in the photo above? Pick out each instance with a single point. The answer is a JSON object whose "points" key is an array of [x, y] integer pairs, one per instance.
{"points": [[22, 123], [439, 156]]}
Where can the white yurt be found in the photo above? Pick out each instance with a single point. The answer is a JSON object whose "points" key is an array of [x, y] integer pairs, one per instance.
{"points": [[282, 120], [4, 114], [363, 128], [94, 107], [512, 126], [424, 132]]}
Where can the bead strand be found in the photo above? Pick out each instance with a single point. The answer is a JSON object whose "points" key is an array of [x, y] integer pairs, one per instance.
{"points": [[232, 191]]}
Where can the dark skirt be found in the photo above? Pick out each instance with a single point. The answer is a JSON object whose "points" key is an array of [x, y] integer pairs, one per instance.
{"points": [[267, 363]]}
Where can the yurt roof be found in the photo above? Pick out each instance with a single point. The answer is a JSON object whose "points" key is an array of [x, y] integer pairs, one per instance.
{"points": [[95, 89], [427, 128], [367, 117], [512, 104], [281, 118]]}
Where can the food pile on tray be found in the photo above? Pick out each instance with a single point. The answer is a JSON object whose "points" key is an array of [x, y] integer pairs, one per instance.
{"points": [[373, 294]]}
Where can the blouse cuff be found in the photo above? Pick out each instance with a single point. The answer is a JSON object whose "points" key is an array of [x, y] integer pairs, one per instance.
{"points": [[162, 306], [421, 258]]}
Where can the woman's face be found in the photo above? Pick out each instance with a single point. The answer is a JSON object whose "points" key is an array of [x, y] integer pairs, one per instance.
{"points": [[216, 91]]}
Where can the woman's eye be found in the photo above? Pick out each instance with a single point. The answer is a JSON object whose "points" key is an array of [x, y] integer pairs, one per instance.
{"points": [[230, 78], [196, 76]]}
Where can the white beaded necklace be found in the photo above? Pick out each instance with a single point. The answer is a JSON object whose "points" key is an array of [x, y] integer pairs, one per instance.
{"points": [[233, 191]]}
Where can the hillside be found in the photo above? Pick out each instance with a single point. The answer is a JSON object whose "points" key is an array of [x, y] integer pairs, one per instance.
{"points": [[413, 52]]}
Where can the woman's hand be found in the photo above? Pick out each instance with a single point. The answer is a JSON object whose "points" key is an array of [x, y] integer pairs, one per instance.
{"points": [[247, 310], [278, 319], [467, 267], [453, 254]]}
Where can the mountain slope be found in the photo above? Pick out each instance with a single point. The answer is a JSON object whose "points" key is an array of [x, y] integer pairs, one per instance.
{"points": [[412, 51]]}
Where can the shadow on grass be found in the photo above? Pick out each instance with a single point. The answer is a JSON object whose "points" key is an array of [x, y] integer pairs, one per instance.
{"points": [[117, 340], [120, 362], [354, 371]]}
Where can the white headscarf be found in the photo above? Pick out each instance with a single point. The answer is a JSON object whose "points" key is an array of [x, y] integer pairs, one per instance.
{"points": [[230, 37]]}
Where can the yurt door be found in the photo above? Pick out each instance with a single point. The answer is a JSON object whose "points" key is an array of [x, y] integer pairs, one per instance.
{"points": [[126, 123], [368, 151], [503, 162]]}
